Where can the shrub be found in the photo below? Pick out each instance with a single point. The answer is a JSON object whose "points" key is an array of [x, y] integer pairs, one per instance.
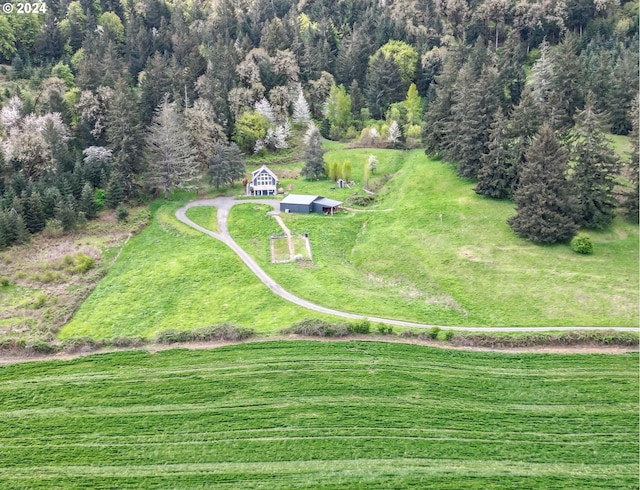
{"points": [[82, 263], [446, 335], [53, 228], [4, 281], [363, 326], [581, 244], [99, 198], [317, 328], [385, 329], [224, 331], [122, 213], [433, 333]]}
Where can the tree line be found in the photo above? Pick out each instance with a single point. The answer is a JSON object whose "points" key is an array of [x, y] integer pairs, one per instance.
{"points": [[116, 100]]}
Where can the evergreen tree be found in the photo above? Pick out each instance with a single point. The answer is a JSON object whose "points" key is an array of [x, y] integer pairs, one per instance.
{"points": [[596, 167], [522, 128], [172, 160], [226, 164], [67, 213], [125, 136], [545, 209], [357, 99], [114, 193], [438, 113], [87, 204], [495, 177], [384, 84], [632, 196], [467, 131], [34, 216], [314, 162]]}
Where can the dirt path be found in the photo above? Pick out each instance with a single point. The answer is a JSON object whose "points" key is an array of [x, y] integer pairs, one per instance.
{"points": [[224, 204], [562, 350]]}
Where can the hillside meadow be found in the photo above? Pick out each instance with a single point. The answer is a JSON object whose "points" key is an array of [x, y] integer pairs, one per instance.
{"points": [[320, 415], [427, 250], [431, 250]]}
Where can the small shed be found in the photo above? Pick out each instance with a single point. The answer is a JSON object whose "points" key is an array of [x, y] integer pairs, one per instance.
{"points": [[325, 206]]}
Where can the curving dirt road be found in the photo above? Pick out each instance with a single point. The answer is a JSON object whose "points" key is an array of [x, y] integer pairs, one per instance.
{"points": [[224, 204]]}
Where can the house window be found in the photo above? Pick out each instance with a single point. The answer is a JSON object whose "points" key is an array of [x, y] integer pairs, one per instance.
{"points": [[264, 179]]}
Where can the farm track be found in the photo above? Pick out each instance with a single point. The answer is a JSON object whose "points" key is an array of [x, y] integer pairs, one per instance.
{"points": [[224, 205]]}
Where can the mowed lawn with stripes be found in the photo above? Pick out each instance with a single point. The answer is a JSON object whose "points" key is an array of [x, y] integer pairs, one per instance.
{"points": [[305, 414]]}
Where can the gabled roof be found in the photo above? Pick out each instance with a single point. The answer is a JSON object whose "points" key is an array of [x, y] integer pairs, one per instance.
{"points": [[299, 199], [264, 168], [327, 203]]}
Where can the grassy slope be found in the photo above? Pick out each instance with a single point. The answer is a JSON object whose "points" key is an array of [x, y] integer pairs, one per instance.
{"points": [[397, 261], [469, 269], [321, 415], [171, 276]]}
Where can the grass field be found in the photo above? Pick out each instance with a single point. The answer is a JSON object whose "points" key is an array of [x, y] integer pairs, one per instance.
{"points": [[321, 415], [173, 277], [431, 250]]}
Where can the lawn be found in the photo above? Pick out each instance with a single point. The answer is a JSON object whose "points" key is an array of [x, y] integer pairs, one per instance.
{"points": [[431, 250], [321, 415], [173, 277]]}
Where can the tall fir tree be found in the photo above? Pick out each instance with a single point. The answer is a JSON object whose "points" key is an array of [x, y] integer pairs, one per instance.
{"points": [[87, 204], [126, 137], [595, 170], [545, 208], [466, 133], [172, 162], [495, 177], [313, 159], [632, 195], [226, 164]]}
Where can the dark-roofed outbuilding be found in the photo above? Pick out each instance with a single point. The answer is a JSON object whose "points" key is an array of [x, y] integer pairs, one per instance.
{"points": [[300, 203]]}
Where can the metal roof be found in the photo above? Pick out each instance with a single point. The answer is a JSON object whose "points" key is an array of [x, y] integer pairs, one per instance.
{"points": [[299, 199], [260, 170], [327, 203]]}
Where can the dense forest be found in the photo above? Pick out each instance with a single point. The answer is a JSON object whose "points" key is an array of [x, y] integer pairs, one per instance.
{"points": [[105, 102]]}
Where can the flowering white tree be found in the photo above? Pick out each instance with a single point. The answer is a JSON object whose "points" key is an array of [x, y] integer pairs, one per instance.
{"points": [[96, 154], [301, 112], [10, 114], [372, 163], [263, 107], [394, 133]]}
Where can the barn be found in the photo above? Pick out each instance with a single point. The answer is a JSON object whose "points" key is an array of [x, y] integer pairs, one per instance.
{"points": [[300, 203]]}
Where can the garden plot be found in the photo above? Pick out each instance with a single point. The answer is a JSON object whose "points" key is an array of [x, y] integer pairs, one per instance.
{"points": [[290, 248]]}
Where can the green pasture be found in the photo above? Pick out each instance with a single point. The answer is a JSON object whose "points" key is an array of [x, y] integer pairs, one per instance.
{"points": [[321, 415], [428, 250], [431, 250], [173, 277]]}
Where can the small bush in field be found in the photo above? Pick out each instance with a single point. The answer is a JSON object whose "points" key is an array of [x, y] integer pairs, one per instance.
{"points": [[385, 329], [433, 333], [4, 281], [581, 244], [363, 326], [82, 263], [122, 213], [317, 328]]}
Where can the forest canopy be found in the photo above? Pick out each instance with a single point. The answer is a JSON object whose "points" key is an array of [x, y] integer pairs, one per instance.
{"points": [[83, 85]]}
